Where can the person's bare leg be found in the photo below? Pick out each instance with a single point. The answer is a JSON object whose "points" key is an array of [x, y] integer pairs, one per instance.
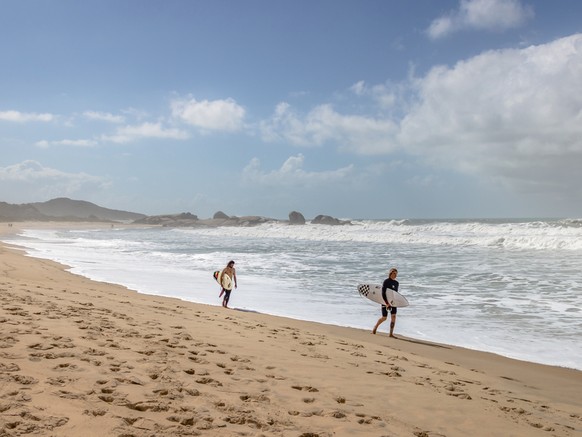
{"points": [[378, 323], [392, 325]]}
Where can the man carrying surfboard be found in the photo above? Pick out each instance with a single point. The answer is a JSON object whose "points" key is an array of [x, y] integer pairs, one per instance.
{"points": [[389, 283], [228, 276]]}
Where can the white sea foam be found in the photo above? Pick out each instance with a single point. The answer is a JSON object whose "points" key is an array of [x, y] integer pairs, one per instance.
{"points": [[540, 235], [511, 288]]}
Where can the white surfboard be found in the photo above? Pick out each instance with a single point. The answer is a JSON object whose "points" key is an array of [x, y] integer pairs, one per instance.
{"points": [[374, 293], [223, 280], [226, 282]]}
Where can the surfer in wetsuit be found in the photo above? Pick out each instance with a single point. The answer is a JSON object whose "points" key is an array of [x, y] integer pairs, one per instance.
{"points": [[392, 283], [230, 271]]}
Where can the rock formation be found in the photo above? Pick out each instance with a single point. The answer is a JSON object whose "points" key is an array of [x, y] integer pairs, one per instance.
{"points": [[296, 218], [190, 220], [177, 220], [220, 215], [328, 220]]}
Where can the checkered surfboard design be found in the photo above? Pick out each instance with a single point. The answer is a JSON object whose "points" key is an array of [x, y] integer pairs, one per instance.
{"points": [[364, 289]]}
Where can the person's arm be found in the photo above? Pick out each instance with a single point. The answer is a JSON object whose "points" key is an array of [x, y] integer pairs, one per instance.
{"points": [[384, 298], [234, 277]]}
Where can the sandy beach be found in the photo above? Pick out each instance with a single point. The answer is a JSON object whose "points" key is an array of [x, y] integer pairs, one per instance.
{"points": [[85, 358]]}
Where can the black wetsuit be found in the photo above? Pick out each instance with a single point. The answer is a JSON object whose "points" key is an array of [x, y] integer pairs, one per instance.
{"points": [[226, 296], [393, 285], [226, 292]]}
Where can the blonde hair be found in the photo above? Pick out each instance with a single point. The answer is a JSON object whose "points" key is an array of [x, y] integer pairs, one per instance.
{"points": [[392, 270]]}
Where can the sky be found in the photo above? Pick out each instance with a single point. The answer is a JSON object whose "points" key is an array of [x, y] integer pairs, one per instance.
{"points": [[349, 108]]}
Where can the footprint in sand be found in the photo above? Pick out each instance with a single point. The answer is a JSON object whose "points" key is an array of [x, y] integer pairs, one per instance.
{"points": [[64, 394], [8, 341], [198, 360], [210, 381], [305, 388], [66, 367], [9, 367], [275, 377], [28, 423], [255, 398], [23, 379]]}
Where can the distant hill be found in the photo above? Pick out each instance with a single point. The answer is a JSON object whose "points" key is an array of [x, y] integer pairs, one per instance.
{"points": [[63, 209], [12, 213]]}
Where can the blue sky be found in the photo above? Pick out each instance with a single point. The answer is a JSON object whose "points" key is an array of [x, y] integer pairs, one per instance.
{"points": [[355, 109]]}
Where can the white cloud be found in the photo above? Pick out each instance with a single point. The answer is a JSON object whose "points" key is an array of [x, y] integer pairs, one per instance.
{"points": [[493, 15], [385, 96], [130, 133], [512, 115], [358, 88], [509, 116], [323, 124], [217, 115], [73, 143], [103, 116], [33, 180], [292, 174], [23, 117]]}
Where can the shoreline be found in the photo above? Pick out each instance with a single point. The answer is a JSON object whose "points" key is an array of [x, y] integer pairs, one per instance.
{"points": [[80, 357], [550, 357]]}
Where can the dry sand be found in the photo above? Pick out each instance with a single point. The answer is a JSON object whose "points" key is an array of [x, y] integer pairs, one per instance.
{"points": [[84, 358]]}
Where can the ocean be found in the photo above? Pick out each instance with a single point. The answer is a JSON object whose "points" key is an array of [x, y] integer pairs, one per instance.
{"points": [[511, 287]]}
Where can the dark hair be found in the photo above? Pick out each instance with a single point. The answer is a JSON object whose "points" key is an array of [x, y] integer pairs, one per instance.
{"points": [[230, 262]]}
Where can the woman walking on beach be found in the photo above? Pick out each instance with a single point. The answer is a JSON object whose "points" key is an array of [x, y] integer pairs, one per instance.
{"points": [[392, 283], [229, 271]]}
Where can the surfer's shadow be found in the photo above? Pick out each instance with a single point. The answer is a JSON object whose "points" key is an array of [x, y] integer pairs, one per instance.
{"points": [[424, 343]]}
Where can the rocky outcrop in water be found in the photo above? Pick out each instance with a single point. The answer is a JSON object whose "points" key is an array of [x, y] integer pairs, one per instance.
{"points": [[221, 219], [296, 218], [178, 220], [220, 215], [187, 219], [329, 220], [244, 221]]}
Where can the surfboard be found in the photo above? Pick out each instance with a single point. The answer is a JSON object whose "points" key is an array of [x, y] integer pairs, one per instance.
{"points": [[224, 280], [374, 293]]}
